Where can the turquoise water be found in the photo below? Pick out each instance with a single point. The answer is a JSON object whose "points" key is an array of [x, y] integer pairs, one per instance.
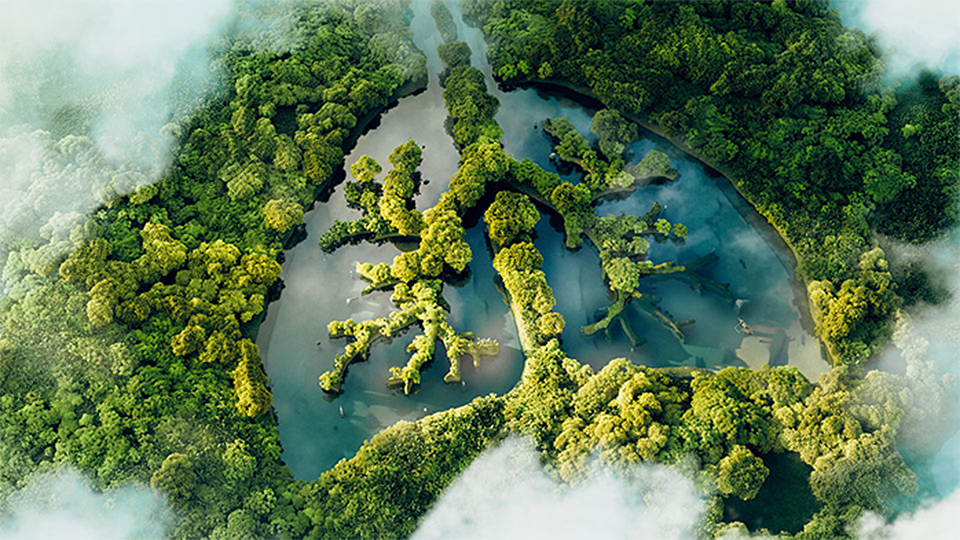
{"points": [[321, 287]]}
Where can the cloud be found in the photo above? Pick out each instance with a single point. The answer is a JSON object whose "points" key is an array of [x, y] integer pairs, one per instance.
{"points": [[914, 33], [507, 494], [90, 93], [938, 520], [62, 505]]}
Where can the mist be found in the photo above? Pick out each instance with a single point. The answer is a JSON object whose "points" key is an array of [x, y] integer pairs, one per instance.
{"points": [[63, 505], [915, 34], [938, 520], [91, 97], [506, 493]]}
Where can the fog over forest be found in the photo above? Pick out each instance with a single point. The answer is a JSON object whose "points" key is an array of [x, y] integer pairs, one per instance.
{"points": [[91, 93]]}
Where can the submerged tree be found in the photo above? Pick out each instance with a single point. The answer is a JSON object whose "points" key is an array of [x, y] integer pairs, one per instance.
{"points": [[415, 277]]}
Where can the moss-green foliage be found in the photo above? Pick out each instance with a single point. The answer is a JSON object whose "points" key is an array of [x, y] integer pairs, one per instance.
{"points": [[511, 216], [470, 107], [573, 203], [923, 131], [282, 215], [128, 359], [393, 479], [780, 96], [528, 174], [853, 320], [602, 172], [653, 164], [741, 474], [519, 266], [420, 304], [844, 428], [388, 208], [416, 277], [444, 20], [615, 132]]}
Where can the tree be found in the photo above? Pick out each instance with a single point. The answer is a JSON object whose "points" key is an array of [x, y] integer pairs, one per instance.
{"points": [[615, 132], [253, 397], [454, 54], [884, 178], [654, 163], [163, 253], [510, 216], [175, 478], [281, 214], [623, 274], [188, 341], [741, 473]]}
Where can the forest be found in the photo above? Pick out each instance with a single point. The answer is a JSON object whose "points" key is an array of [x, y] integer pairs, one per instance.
{"points": [[127, 340]]}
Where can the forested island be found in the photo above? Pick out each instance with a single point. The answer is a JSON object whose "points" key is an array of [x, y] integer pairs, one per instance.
{"points": [[128, 334]]}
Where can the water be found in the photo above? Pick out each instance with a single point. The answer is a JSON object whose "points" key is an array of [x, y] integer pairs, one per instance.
{"points": [[322, 287]]}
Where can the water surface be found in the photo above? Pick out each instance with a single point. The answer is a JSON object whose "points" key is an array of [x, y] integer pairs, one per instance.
{"points": [[322, 287]]}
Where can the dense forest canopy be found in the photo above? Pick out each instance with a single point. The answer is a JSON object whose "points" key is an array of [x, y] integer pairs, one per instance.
{"points": [[127, 335]]}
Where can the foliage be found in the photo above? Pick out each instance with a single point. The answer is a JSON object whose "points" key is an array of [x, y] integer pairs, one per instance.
{"points": [[130, 357], [444, 20], [511, 216], [615, 132], [127, 359], [780, 97], [470, 107]]}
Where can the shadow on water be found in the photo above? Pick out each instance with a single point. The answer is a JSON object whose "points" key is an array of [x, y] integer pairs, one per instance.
{"points": [[784, 503]]}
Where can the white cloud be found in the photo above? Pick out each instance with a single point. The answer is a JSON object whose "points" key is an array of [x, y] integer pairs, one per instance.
{"points": [[936, 521], [506, 494], [914, 32], [112, 71], [62, 505]]}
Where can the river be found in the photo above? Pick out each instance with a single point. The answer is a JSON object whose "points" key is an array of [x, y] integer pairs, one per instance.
{"points": [[321, 287]]}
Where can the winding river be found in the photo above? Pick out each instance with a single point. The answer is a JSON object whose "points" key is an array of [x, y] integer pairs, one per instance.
{"points": [[317, 432]]}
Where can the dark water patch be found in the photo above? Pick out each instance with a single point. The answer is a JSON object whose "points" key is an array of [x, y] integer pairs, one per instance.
{"points": [[785, 502]]}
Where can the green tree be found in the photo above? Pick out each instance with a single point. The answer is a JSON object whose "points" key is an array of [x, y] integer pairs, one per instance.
{"points": [[281, 214], [511, 215], [741, 473], [615, 132], [175, 478]]}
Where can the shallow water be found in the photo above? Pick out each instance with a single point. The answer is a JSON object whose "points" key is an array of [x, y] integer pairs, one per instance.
{"points": [[322, 287]]}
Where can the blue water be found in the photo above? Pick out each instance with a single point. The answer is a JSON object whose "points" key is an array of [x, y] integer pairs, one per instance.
{"points": [[322, 287]]}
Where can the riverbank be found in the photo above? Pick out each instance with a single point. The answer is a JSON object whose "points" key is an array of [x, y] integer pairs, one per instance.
{"points": [[770, 233], [364, 125]]}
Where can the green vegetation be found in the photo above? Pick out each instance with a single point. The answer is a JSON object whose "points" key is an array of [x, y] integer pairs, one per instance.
{"points": [[444, 20], [780, 98], [387, 208], [131, 357]]}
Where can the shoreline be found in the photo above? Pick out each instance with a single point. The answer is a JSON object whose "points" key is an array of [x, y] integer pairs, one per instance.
{"points": [[774, 237], [365, 124]]}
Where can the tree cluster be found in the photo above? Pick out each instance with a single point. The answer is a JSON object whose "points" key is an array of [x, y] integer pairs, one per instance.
{"points": [[779, 96]]}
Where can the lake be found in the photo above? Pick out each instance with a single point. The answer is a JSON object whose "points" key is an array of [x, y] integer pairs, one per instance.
{"points": [[321, 287]]}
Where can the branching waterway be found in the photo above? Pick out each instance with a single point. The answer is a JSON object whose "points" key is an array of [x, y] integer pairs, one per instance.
{"points": [[317, 431]]}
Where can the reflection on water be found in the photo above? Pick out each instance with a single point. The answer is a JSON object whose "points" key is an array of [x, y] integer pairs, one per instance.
{"points": [[322, 287]]}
